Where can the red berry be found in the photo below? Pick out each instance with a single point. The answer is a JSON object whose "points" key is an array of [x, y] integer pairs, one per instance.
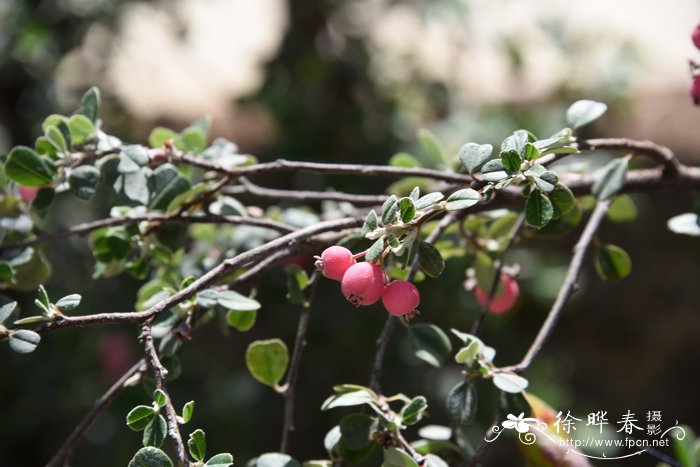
{"points": [[400, 298], [695, 90], [695, 35], [504, 302], [363, 283], [28, 193], [334, 261]]}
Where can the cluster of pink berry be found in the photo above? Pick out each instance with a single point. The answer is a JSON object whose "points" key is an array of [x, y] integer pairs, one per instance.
{"points": [[695, 69], [365, 283]]}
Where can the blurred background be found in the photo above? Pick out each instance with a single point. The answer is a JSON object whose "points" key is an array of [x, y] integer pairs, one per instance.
{"points": [[353, 81]]}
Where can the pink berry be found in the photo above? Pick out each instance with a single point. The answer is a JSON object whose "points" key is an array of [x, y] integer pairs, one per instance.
{"points": [[28, 193], [334, 261], [363, 283], [695, 90], [696, 36], [400, 298], [504, 302]]}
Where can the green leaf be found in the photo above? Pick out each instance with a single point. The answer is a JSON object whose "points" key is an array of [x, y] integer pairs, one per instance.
{"points": [[431, 460], [562, 200], [516, 142], [267, 360], [150, 457], [275, 459], [395, 457], [583, 112], [430, 259], [612, 263], [462, 404], [81, 129], [429, 200], [509, 382], [69, 302], [435, 432], [197, 445], [160, 135], [611, 180], [90, 104], [24, 341], [429, 343], [241, 320], [462, 199], [137, 153], [25, 167], [192, 140], [6, 310], [412, 412], [234, 301], [187, 411], [685, 224], [538, 209], [160, 398], [356, 430], [531, 152], [493, 171], [546, 181], [56, 138], [83, 181], [511, 160], [474, 155], [154, 433], [357, 396], [297, 280], [404, 159], [431, 149], [622, 209], [407, 209], [389, 210], [469, 352], [318, 463], [166, 184], [139, 417], [370, 223], [224, 459], [375, 251], [7, 274]]}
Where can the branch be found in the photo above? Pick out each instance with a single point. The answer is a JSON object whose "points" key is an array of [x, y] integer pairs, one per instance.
{"points": [[88, 227], [290, 241], [569, 285], [357, 200], [390, 323], [159, 373], [282, 165], [65, 452], [565, 292], [497, 278], [661, 154], [299, 344]]}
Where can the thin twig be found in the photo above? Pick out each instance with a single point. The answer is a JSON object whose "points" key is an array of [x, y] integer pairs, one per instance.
{"points": [[565, 291], [259, 253], [497, 278], [390, 323], [292, 376], [302, 195], [65, 452], [159, 373], [282, 165], [570, 282], [88, 227], [661, 154]]}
